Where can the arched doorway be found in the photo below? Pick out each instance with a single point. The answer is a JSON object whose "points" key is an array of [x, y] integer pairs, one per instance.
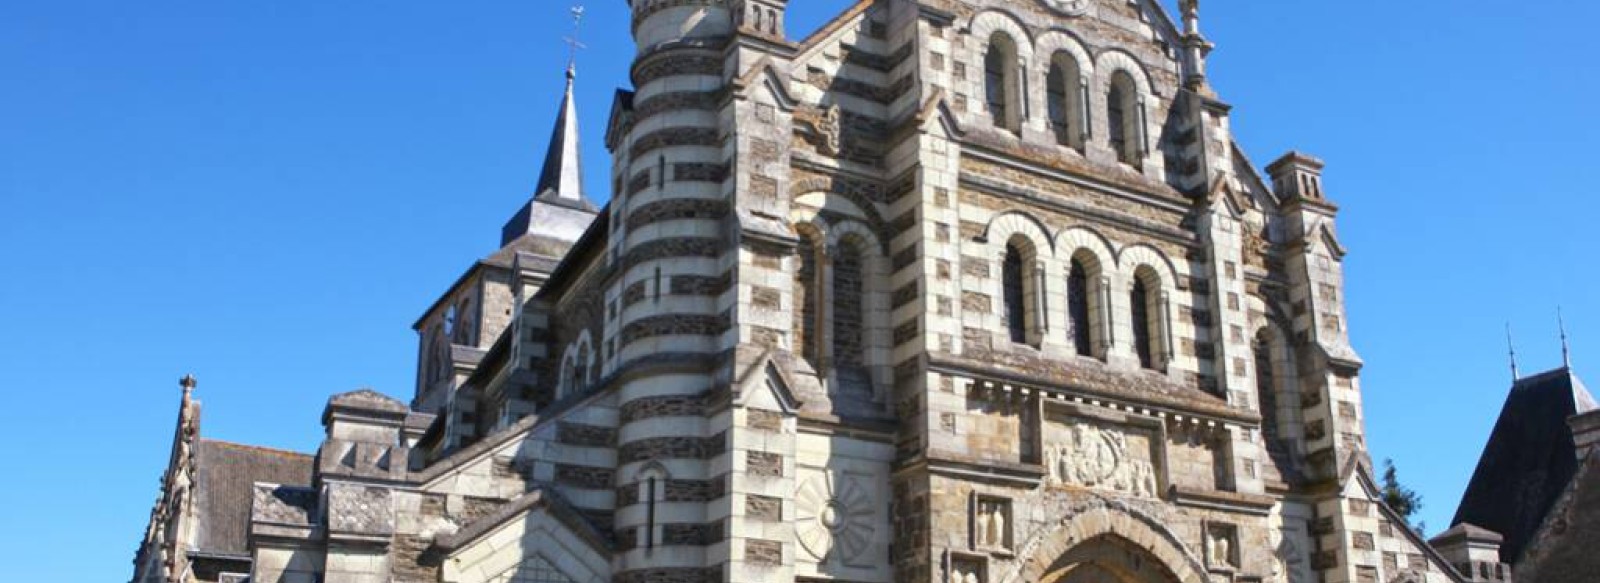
{"points": [[1103, 542], [1108, 559]]}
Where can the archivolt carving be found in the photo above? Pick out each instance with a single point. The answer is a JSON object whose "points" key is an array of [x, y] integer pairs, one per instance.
{"points": [[1085, 520]]}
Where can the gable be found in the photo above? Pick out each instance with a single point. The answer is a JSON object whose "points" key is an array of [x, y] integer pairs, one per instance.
{"points": [[526, 542]]}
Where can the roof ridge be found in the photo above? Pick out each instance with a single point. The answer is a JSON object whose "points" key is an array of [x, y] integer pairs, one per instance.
{"points": [[258, 448]]}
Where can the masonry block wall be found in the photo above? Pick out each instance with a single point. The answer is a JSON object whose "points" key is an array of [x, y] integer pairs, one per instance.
{"points": [[974, 291]]}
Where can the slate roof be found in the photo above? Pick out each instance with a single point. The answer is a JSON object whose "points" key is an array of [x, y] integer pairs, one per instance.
{"points": [[1564, 549], [225, 477], [1529, 460]]}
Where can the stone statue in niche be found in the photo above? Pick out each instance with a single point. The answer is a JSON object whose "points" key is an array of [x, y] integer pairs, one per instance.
{"points": [[1219, 542], [966, 570], [1094, 457], [991, 522]]}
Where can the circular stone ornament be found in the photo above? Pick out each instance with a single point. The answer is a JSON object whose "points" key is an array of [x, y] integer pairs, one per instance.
{"points": [[1069, 7], [834, 518]]}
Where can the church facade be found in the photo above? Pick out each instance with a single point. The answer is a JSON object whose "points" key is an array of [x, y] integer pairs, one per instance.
{"points": [[952, 291]]}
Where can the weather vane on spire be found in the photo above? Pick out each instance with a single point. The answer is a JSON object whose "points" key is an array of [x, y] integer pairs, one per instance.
{"points": [[573, 44], [1566, 347], [1516, 374]]}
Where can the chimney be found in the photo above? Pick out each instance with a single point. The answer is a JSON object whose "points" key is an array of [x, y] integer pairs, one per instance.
{"points": [[1297, 176], [1474, 552]]}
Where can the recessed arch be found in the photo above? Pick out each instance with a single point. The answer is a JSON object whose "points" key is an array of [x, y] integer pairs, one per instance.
{"points": [[1093, 521], [1067, 76], [1109, 62], [1004, 51], [1130, 258], [1004, 226], [841, 201], [987, 22]]}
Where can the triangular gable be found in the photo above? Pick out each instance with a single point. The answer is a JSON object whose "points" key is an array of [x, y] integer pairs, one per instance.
{"points": [[832, 30], [1250, 177], [1358, 482], [1332, 242], [537, 535], [766, 384], [1223, 194], [765, 74], [937, 108]]}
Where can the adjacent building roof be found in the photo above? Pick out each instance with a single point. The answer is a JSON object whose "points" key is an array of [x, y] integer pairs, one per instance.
{"points": [[1564, 548], [225, 477], [1529, 461]]}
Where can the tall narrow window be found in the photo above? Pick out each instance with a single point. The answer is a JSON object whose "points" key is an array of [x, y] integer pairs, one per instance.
{"points": [[1123, 116], [805, 299], [1143, 339], [1000, 82], [1266, 389], [569, 376], [849, 336], [434, 371], [464, 324], [1064, 92], [650, 513], [1014, 282], [1078, 308]]}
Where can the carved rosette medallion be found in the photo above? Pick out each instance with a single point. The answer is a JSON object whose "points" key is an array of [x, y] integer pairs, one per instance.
{"points": [[1069, 7], [834, 518]]}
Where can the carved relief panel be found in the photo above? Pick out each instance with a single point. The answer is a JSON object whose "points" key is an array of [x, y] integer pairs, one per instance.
{"points": [[1103, 450]]}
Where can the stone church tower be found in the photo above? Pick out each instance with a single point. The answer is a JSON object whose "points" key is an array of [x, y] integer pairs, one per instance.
{"points": [[952, 291]]}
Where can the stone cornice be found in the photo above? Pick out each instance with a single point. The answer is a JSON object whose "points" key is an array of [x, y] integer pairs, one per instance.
{"points": [[1234, 502], [1160, 405]]}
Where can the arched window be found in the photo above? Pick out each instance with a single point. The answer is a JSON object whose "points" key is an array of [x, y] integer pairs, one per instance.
{"points": [[849, 317], [1143, 344], [433, 371], [464, 324], [1078, 298], [1014, 293], [584, 368], [1125, 119], [805, 299], [567, 383], [1148, 319], [1266, 388], [1001, 89], [1066, 98]]}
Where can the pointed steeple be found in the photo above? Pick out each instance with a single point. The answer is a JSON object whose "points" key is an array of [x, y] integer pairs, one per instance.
{"points": [[558, 210], [563, 162]]}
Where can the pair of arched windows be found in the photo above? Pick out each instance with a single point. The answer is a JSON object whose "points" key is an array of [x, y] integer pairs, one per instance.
{"points": [[841, 302], [577, 369], [1067, 99], [1024, 307]]}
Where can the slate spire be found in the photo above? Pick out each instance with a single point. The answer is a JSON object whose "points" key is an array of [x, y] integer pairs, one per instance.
{"points": [[558, 209], [562, 176]]}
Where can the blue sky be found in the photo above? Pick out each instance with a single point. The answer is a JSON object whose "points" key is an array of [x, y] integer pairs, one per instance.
{"points": [[267, 194]]}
